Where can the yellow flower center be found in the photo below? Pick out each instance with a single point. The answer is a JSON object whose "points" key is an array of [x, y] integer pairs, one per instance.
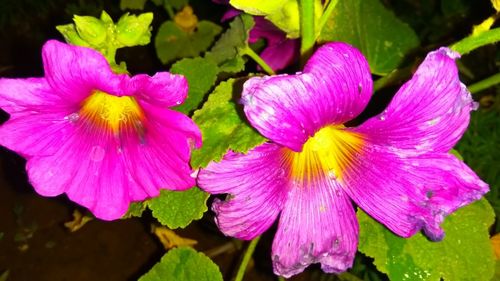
{"points": [[329, 153], [112, 112]]}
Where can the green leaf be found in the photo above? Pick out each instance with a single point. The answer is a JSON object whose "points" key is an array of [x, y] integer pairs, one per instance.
{"points": [[132, 4], [258, 7], [179, 208], [183, 264], [222, 126], [172, 42], [134, 30], [201, 75], [376, 31], [464, 254], [178, 4], [135, 210], [226, 51]]}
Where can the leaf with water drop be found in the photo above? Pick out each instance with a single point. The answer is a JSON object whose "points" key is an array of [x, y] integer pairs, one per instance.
{"points": [[222, 125], [183, 264], [376, 31], [464, 254]]}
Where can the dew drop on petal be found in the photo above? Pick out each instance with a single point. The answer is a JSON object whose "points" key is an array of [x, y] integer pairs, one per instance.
{"points": [[178, 102], [360, 88], [97, 153], [73, 117]]}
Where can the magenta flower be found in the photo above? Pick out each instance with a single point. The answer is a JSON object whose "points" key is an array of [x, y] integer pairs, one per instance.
{"points": [[395, 166], [280, 51], [103, 139]]}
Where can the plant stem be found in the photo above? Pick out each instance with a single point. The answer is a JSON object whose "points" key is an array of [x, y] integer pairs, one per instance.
{"points": [[252, 54], [307, 32], [473, 42], [246, 258], [484, 84], [326, 14], [281, 278], [169, 9]]}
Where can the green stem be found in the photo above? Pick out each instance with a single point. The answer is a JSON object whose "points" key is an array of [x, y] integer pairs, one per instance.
{"points": [[168, 7], [252, 54], [326, 14], [246, 258], [473, 42], [485, 84], [281, 278], [306, 27]]}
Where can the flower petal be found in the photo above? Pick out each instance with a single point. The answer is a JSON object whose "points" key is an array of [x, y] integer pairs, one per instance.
{"points": [[280, 55], [318, 224], [74, 72], [26, 95], [160, 157], [35, 134], [334, 88], [257, 186], [280, 51], [163, 89], [408, 194], [429, 113], [89, 169]]}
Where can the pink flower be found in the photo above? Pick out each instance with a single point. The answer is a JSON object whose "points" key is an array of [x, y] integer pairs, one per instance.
{"points": [[280, 51], [395, 166], [103, 139]]}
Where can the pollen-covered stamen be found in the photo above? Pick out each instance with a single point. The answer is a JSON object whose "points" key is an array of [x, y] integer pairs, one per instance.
{"points": [[113, 113], [330, 152]]}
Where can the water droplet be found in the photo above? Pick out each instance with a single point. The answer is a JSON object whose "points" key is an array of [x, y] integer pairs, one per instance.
{"points": [[434, 121], [360, 88], [346, 55], [73, 117], [331, 174], [178, 102], [382, 115], [97, 153]]}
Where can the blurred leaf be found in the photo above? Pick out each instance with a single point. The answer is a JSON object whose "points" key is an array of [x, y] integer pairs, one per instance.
{"points": [[464, 254], [479, 147], [258, 7], [135, 210], [132, 4], [201, 75], [172, 42], [376, 31], [496, 5], [5, 275], [225, 52], [222, 125], [169, 239], [177, 4], [178, 208], [183, 264], [451, 8], [79, 220]]}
